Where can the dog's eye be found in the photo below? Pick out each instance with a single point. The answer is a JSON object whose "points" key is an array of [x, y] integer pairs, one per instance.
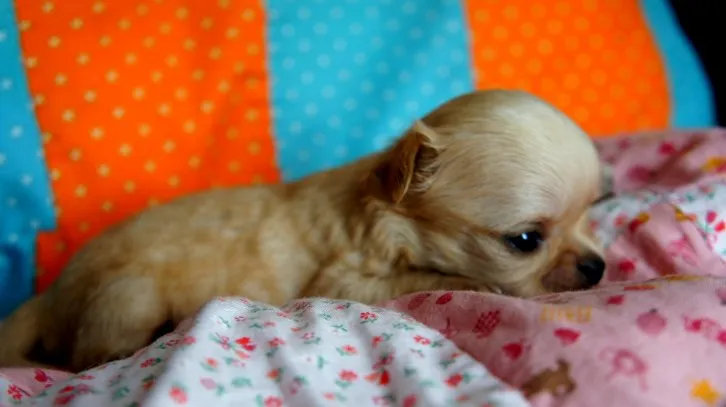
{"points": [[527, 242]]}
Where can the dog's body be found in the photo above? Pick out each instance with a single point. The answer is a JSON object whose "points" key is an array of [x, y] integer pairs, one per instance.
{"points": [[450, 206]]}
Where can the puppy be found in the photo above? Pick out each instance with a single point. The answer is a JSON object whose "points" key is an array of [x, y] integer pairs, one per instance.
{"points": [[490, 191]]}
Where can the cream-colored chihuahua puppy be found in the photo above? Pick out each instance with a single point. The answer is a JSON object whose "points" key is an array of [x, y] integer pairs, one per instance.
{"points": [[490, 191]]}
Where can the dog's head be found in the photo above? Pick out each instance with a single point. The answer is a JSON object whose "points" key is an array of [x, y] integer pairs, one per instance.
{"points": [[498, 184]]}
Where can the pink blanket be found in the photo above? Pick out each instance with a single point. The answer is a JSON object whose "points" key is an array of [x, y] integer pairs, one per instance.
{"points": [[632, 342]]}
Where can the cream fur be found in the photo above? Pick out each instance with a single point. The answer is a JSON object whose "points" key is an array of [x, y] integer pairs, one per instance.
{"points": [[429, 213]]}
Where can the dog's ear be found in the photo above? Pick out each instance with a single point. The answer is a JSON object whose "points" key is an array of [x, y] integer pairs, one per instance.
{"points": [[410, 165]]}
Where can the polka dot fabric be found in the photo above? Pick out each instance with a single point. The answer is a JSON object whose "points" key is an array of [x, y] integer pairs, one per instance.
{"points": [[25, 205], [143, 101], [594, 59], [349, 76]]}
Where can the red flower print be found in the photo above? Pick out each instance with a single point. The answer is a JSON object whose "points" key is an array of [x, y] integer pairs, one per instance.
{"points": [[148, 382], [711, 216], [85, 377], [368, 316], [444, 298], [615, 300], [178, 395], [274, 374], [454, 380], [148, 363], [67, 389], [567, 336], [268, 324], [384, 379], [626, 266], [721, 338], [410, 401], [329, 396], [211, 362], [487, 322], [273, 402], [513, 350], [698, 325], [41, 376], [276, 342], [714, 223], [349, 349], [667, 148], [348, 376], [376, 341], [420, 339], [14, 392], [246, 343], [307, 336], [189, 340]]}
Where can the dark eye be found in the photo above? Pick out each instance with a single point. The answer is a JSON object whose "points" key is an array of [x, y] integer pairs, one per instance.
{"points": [[527, 242]]}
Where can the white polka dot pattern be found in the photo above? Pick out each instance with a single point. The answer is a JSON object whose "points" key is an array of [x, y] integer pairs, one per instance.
{"points": [[342, 87], [25, 197]]}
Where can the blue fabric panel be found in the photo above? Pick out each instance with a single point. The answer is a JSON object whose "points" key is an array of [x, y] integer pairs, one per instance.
{"points": [[350, 75], [691, 99], [25, 195]]}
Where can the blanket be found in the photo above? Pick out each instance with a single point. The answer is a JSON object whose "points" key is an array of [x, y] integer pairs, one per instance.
{"points": [[655, 343], [308, 353]]}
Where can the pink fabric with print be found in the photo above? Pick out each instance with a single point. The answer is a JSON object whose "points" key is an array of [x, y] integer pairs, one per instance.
{"points": [[655, 343]]}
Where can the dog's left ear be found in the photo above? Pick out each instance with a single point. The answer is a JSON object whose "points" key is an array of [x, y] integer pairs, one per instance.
{"points": [[410, 165]]}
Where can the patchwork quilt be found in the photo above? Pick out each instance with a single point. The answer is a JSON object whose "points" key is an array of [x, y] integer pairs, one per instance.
{"points": [[109, 106]]}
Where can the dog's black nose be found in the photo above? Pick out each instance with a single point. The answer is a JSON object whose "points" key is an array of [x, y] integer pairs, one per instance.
{"points": [[593, 268]]}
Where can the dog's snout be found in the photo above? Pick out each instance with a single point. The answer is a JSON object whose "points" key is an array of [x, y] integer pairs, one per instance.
{"points": [[593, 268]]}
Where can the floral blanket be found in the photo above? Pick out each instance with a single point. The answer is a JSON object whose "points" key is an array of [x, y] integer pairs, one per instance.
{"points": [[308, 353]]}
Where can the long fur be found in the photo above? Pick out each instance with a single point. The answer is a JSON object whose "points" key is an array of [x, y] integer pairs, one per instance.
{"points": [[429, 213]]}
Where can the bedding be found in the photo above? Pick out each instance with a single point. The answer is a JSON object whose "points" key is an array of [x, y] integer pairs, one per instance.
{"points": [[137, 102], [659, 342], [653, 334], [308, 353]]}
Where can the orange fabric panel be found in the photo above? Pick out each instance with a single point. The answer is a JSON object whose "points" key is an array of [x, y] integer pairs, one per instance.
{"points": [[141, 101], [609, 76]]}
